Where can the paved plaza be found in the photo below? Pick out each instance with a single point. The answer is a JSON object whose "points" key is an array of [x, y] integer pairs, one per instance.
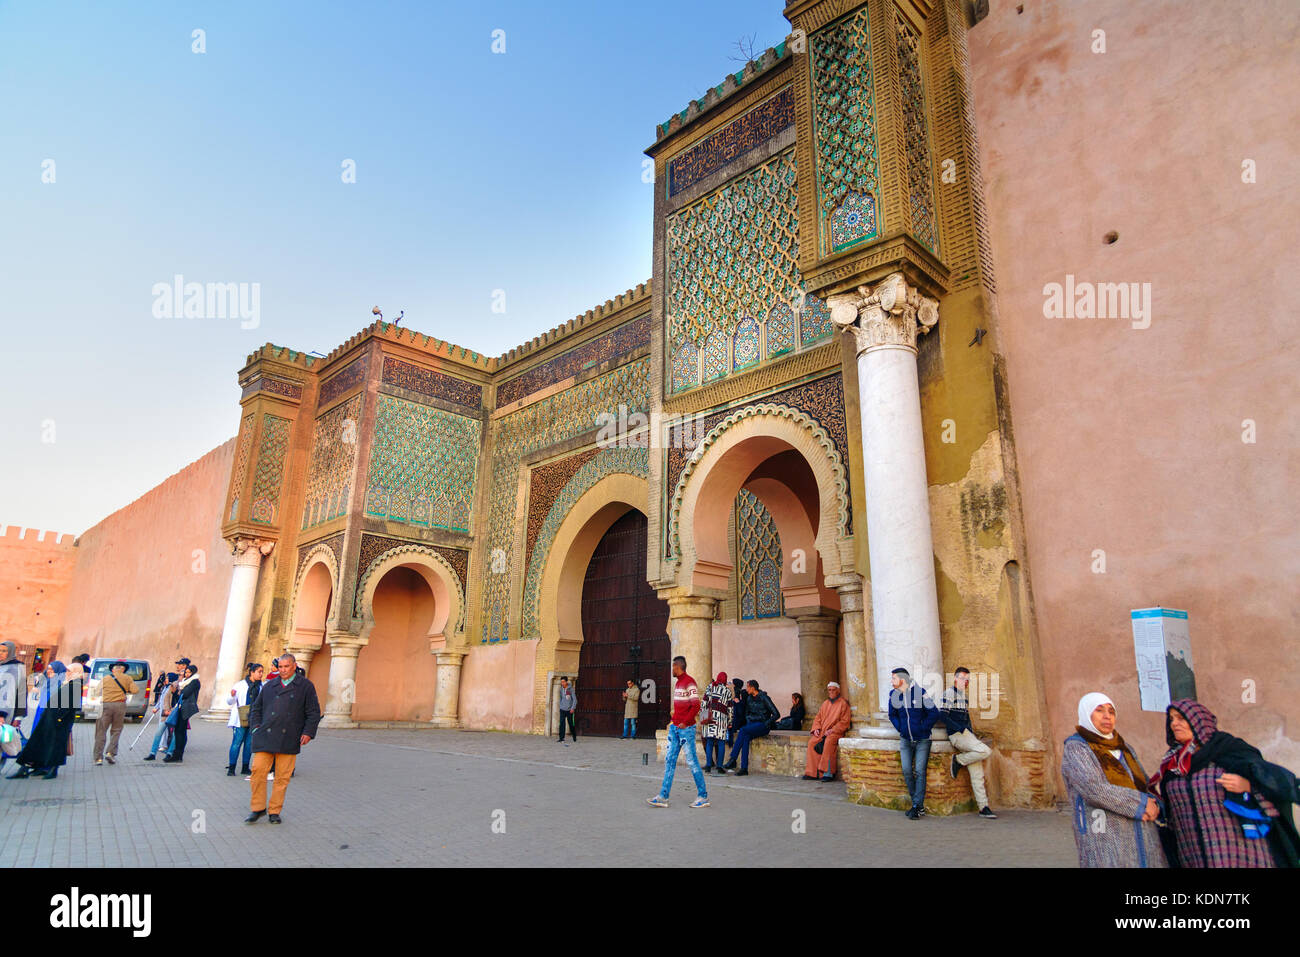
{"points": [[458, 798]]}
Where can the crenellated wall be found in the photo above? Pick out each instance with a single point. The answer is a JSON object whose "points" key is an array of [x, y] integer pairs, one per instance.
{"points": [[36, 570]]}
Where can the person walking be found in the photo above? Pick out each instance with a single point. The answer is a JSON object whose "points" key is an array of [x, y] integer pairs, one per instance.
{"points": [[284, 717], [50, 742], [568, 704], [113, 691], [631, 708], [187, 705], [241, 699], [1114, 812], [163, 701], [717, 718], [1226, 805], [913, 714], [969, 752], [829, 725], [681, 737], [760, 715]]}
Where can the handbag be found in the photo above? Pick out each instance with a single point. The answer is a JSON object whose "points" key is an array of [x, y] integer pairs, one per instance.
{"points": [[173, 718], [243, 715], [820, 746]]}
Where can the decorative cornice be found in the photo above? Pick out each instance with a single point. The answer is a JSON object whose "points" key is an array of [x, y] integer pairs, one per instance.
{"points": [[769, 375], [889, 314]]}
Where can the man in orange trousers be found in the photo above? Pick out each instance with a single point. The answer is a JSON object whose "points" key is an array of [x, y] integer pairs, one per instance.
{"points": [[828, 727]]}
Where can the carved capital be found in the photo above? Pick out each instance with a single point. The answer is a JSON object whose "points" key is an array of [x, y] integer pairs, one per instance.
{"points": [[250, 551], [891, 313]]}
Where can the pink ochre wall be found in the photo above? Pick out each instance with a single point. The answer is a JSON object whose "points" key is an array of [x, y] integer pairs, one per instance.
{"points": [[1129, 440], [152, 579], [496, 686], [35, 576]]}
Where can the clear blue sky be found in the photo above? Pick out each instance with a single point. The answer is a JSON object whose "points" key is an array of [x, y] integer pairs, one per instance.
{"points": [[474, 171]]}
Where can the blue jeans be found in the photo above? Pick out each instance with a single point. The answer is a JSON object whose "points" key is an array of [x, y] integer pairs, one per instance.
{"points": [[157, 737], [629, 727], [755, 729], [241, 738], [915, 755], [715, 752], [682, 739]]}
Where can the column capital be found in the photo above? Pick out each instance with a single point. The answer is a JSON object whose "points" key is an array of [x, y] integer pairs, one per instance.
{"points": [[250, 551], [890, 313], [692, 606], [444, 656], [344, 644], [851, 598]]}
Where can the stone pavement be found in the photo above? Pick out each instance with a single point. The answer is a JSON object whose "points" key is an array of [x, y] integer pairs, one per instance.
{"points": [[431, 798]]}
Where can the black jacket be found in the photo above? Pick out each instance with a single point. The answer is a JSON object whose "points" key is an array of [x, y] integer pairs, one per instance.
{"points": [[1273, 781], [188, 703], [282, 714], [759, 707]]}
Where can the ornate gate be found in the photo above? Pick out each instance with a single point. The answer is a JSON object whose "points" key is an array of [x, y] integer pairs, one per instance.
{"points": [[624, 634]]}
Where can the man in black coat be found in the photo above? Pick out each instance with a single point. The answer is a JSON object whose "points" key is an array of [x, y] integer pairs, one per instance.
{"points": [[283, 719]]}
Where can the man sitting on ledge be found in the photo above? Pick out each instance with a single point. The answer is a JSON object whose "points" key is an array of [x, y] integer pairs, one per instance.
{"points": [[828, 727]]}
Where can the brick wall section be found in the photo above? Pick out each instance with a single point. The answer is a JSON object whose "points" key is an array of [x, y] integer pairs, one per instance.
{"points": [[876, 778]]}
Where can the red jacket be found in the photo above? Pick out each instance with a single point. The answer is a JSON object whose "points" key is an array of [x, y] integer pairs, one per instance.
{"points": [[686, 700]]}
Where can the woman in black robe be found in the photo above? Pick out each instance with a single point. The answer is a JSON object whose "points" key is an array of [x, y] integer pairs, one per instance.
{"points": [[47, 746]]}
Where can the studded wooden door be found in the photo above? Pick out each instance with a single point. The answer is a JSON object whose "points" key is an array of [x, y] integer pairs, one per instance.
{"points": [[624, 634]]}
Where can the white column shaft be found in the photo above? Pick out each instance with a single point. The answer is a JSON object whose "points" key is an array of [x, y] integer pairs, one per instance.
{"points": [[905, 609]]}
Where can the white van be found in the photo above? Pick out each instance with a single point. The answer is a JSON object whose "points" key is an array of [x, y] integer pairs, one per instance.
{"points": [[92, 701]]}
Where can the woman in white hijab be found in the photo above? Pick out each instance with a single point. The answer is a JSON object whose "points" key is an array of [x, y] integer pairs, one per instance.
{"points": [[1114, 815]]}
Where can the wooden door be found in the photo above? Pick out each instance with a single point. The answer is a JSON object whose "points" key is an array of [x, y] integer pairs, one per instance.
{"points": [[624, 632]]}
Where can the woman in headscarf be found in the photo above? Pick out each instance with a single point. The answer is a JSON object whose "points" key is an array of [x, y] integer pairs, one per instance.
{"points": [[47, 747], [1114, 815], [1227, 806], [717, 719]]}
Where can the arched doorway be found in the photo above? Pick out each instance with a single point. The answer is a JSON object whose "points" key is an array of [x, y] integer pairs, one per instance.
{"points": [[624, 634], [396, 672]]}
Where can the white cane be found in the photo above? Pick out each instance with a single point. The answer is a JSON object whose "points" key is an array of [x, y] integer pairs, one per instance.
{"points": [[142, 727]]}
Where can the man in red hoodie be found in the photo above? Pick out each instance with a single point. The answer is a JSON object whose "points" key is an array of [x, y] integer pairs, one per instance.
{"points": [[681, 736]]}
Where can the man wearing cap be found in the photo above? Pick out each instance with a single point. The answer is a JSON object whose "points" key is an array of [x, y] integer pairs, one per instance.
{"points": [[828, 727], [913, 714], [113, 691]]}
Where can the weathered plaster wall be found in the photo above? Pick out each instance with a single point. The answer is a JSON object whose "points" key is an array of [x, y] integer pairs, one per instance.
{"points": [[766, 651], [496, 687], [152, 579], [35, 576], [1129, 440]]}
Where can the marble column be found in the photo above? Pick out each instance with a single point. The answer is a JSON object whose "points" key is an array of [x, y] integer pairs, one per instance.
{"points": [[344, 648], [690, 628], [234, 632], [859, 679], [885, 320], [818, 659], [446, 700]]}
